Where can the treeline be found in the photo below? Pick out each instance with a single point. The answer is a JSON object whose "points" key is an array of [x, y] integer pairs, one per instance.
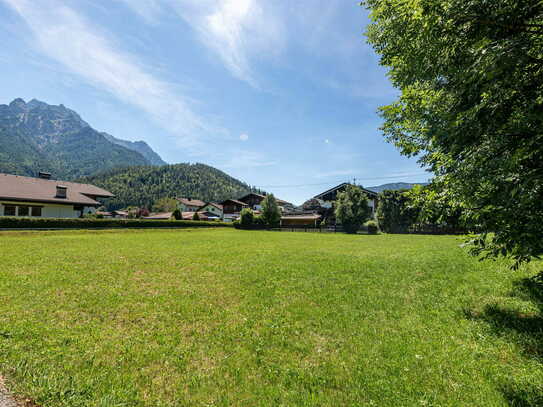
{"points": [[142, 186], [419, 210]]}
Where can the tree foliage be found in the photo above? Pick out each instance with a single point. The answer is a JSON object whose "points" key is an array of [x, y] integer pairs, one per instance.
{"points": [[165, 204], [394, 213], [246, 217], [143, 186], [352, 208], [271, 215], [470, 74]]}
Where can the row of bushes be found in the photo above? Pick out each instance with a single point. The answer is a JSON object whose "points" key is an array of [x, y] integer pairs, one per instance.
{"points": [[54, 223]]}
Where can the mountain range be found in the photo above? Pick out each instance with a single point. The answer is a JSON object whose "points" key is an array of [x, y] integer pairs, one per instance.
{"points": [[36, 136]]}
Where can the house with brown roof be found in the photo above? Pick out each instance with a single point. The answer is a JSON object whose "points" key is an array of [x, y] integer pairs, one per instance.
{"points": [[47, 198], [254, 201], [214, 209], [189, 204], [231, 209]]}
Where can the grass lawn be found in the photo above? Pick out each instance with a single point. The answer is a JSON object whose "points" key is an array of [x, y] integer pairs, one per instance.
{"points": [[226, 317]]}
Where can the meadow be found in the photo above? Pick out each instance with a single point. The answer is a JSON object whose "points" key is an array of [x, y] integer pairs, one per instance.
{"points": [[254, 318]]}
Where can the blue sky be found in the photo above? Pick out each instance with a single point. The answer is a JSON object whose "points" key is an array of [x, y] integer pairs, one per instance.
{"points": [[280, 94]]}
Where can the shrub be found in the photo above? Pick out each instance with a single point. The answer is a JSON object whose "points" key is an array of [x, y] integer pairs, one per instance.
{"points": [[372, 227], [77, 223], [177, 215], [195, 216], [246, 217], [270, 211], [352, 208], [259, 221], [394, 213]]}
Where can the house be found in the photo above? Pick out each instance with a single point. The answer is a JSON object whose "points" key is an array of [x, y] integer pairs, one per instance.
{"points": [[159, 216], [254, 201], [231, 209], [203, 215], [120, 214], [47, 198], [189, 205], [213, 209], [301, 219], [327, 198]]}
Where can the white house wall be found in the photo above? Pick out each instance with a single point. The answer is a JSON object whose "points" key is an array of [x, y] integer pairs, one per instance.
{"points": [[50, 210]]}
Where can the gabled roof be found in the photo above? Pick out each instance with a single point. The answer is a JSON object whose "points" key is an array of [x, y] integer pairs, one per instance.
{"points": [[279, 201], [343, 185], [19, 188], [191, 202], [234, 201], [216, 205]]}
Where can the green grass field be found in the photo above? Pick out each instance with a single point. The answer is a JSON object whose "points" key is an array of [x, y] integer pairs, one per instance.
{"points": [[226, 317]]}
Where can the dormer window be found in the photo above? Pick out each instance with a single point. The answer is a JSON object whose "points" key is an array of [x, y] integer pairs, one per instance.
{"points": [[61, 191]]}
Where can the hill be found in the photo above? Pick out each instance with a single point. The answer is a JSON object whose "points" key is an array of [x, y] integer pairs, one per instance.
{"points": [[36, 136], [395, 186], [142, 186]]}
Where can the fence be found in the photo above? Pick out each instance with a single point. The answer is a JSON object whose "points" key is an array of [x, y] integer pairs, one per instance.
{"points": [[313, 229]]}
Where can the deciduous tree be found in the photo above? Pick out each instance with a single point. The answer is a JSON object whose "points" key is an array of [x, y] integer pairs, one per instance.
{"points": [[470, 74], [352, 208]]}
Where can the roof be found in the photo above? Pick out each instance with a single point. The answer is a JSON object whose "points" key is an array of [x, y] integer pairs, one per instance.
{"points": [[279, 201], [306, 216], [216, 205], [235, 201], [159, 216], [191, 202], [190, 215], [342, 185], [19, 188]]}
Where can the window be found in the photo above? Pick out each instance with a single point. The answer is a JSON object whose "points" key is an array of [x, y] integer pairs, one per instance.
{"points": [[61, 191], [10, 210], [23, 210], [36, 211]]}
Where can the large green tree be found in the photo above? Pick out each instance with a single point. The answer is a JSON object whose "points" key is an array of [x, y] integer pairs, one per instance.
{"points": [[470, 74], [352, 208], [270, 211]]}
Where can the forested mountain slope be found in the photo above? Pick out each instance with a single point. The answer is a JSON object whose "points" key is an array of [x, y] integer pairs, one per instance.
{"points": [[142, 186]]}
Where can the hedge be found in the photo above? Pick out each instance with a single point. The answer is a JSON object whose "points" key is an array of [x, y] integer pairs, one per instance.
{"points": [[61, 223]]}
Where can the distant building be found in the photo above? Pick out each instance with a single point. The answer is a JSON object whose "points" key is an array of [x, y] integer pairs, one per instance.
{"points": [[212, 208], [327, 198], [231, 209], [254, 201], [47, 198], [301, 219], [189, 205], [159, 216]]}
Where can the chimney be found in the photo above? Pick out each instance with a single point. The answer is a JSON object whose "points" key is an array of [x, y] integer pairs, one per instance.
{"points": [[44, 175]]}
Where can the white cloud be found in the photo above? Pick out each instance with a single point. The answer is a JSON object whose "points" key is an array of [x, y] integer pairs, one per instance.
{"points": [[64, 36], [239, 32], [244, 137]]}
